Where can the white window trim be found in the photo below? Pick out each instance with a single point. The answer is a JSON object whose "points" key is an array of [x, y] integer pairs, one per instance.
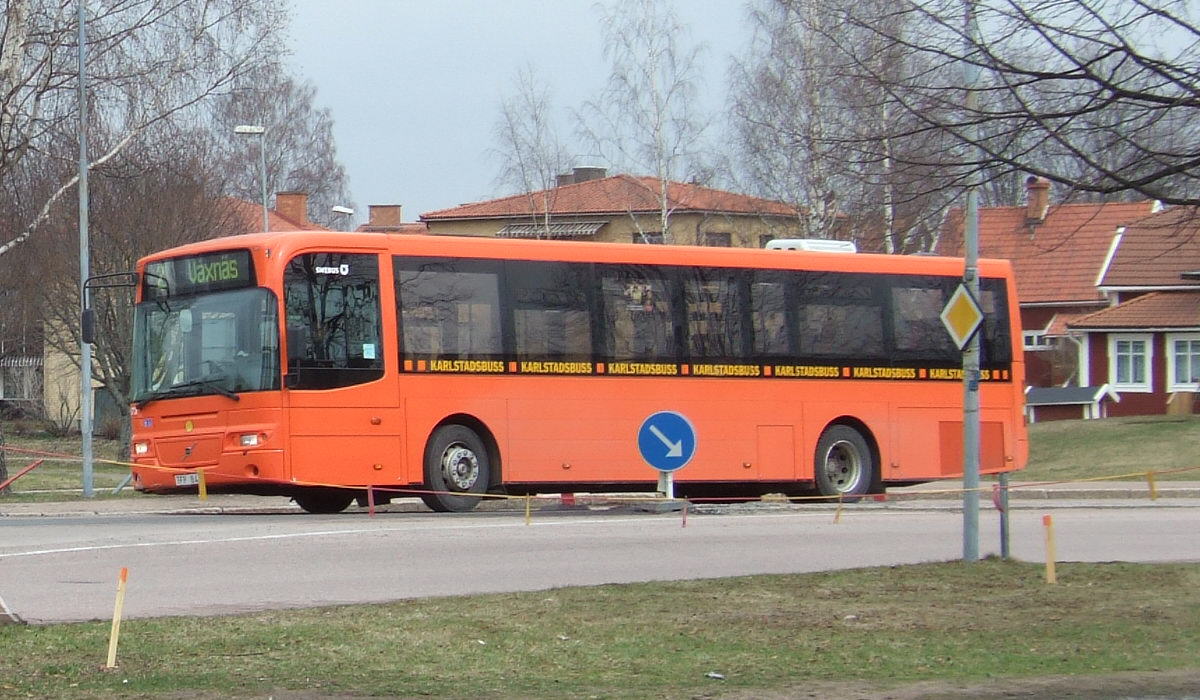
{"points": [[1084, 360], [1145, 387], [1035, 340], [1170, 350]]}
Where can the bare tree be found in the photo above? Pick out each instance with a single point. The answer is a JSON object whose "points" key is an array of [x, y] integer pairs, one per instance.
{"points": [[819, 138], [529, 149], [147, 61], [648, 117], [1101, 96], [162, 192], [301, 153]]}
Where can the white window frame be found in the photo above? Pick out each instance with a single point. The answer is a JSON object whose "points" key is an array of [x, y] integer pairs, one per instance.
{"points": [[1172, 385], [1143, 387], [1033, 341]]}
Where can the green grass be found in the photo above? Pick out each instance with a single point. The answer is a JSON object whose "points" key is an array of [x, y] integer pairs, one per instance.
{"points": [[1082, 449], [765, 634], [57, 473]]}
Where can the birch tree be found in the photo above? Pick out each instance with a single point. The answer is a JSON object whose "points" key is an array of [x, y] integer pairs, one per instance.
{"points": [[1099, 96], [147, 61], [813, 135], [528, 146], [648, 117]]}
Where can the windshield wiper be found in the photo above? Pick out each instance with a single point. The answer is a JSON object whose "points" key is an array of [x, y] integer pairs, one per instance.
{"points": [[174, 390]]}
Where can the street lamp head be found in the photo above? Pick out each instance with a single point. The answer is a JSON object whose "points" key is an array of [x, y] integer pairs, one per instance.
{"points": [[339, 209], [249, 129]]}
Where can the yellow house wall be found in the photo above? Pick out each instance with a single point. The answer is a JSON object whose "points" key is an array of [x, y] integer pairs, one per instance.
{"points": [[686, 228], [60, 384]]}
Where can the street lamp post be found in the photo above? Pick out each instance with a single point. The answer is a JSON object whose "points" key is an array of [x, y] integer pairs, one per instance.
{"points": [[344, 211], [85, 343], [259, 131]]}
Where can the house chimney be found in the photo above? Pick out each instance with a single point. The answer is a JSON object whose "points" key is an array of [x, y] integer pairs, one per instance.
{"points": [[293, 206], [589, 172], [383, 215], [564, 179], [1037, 199]]}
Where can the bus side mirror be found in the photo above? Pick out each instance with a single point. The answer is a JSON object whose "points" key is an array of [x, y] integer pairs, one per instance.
{"points": [[87, 326]]}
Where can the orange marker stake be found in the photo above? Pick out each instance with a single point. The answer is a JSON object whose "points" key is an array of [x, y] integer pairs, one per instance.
{"points": [[202, 485], [22, 473], [1153, 488], [116, 623], [1048, 523], [837, 516], [370, 502]]}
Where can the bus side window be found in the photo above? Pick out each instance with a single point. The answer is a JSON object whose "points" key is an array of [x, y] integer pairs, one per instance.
{"points": [[550, 310], [996, 342], [449, 309], [638, 314], [768, 310], [714, 314], [332, 306], [840, 317], [917, 323]]}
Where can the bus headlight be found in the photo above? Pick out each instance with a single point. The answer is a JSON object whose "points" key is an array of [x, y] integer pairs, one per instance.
{"points": [[141, 448], [249, 440]]}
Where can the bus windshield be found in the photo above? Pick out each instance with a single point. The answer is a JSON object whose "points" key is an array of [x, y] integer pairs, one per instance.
{"points": [[218, 343]]}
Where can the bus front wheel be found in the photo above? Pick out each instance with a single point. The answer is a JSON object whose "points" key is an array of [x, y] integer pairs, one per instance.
{"points": [[456, 461], [844, 465]]}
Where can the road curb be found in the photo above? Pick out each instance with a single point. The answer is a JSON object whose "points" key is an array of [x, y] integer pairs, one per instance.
{"points": [[935, 494]]}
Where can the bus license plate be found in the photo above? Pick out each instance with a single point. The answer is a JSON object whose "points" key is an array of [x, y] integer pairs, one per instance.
{"points": [[187, 479]]}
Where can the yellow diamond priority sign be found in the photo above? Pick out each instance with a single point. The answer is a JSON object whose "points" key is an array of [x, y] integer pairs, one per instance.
{"points": [[962, 316]]}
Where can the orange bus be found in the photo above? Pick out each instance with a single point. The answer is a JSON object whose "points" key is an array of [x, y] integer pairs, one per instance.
{"points": [[316, 364]]}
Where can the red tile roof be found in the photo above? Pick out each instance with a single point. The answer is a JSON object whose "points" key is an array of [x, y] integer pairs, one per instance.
{"points": [[1156, 250], [1155, 310], [617, 194], [1059, 259], [251, 214], [1058, 325]]}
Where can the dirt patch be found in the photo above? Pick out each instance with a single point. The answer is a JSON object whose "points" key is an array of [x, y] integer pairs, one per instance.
{"points": [[1139, 685], [1173, 685]]}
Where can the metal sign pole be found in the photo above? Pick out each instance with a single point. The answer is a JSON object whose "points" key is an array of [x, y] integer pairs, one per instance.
{"points": [[971, 352]]}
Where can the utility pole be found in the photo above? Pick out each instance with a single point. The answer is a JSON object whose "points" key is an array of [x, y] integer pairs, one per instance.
{"points": [[85, 347], [971, 282]]}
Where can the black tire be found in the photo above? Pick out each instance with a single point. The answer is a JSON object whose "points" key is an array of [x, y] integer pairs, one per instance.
{"points": [[844, 464], [323, 501], [456, 461]]}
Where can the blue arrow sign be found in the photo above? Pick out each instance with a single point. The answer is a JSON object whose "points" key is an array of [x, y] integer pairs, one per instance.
{"points": [[667, 441]]}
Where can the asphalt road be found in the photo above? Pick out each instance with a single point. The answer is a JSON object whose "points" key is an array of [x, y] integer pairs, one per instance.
{"points": [[65, 568]]}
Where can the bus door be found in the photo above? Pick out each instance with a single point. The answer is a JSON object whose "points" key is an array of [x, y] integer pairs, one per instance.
{"points": [[344, 409]]}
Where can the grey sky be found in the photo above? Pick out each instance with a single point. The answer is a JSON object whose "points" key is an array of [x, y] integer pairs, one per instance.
{"points": [[414, 85]]}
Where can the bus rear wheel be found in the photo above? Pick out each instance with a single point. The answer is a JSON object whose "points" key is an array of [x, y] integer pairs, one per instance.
{"points": [[323, 501], [456, 461], [844, 465]]}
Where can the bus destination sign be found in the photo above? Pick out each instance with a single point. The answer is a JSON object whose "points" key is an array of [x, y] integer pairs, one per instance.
{"points": [[193, 274]]}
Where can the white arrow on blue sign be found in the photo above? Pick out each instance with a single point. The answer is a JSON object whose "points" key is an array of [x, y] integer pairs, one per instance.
{"points": [[667, 441]]}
